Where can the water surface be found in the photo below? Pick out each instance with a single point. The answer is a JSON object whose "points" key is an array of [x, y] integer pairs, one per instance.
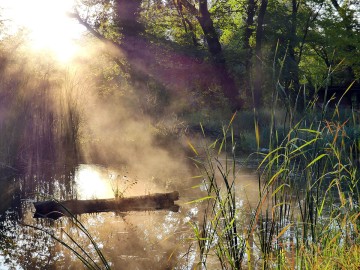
{"points": [[131, 240]]}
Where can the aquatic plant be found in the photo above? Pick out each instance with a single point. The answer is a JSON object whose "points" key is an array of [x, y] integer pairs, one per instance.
{"points": [[69, 242], [308, 205], [220, 233]]}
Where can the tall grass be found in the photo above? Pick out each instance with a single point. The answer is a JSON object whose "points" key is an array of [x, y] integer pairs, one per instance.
{"points": [[88, 259], [220, 232], [39, 115], [307, 216]]}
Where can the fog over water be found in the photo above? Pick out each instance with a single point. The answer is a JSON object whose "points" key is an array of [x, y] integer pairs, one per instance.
{"points": [[79, 141], [74, 126]]}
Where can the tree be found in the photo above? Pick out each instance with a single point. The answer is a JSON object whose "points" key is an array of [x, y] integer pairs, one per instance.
{"points": [[248, 49], [143, 54], [258, 65], [236, 41], [348, 28]]}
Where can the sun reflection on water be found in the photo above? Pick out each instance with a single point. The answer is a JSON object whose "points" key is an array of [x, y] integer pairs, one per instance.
{"points": [[92, 183], [129, 240]]}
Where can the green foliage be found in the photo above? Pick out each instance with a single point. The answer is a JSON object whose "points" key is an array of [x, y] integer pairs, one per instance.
{"points": [[219, 233], [307, 212], [301, 42], [164, 21]]}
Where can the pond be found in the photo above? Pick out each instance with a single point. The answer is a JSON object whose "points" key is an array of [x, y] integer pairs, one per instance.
{"points": [[128, 240]]}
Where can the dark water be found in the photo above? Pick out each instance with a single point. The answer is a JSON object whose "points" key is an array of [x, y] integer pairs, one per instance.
{"points": [[133, 240]]}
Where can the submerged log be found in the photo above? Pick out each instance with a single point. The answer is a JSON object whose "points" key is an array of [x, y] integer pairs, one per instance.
{"points": [[55, 209]]}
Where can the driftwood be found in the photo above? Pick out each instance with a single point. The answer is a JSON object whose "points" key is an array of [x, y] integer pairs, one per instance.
{"points": [[56, 209]]}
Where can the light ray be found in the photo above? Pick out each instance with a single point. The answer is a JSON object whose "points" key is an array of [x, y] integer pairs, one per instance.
{"points": [[50, 28]]}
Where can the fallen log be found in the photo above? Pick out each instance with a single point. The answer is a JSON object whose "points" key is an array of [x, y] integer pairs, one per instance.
{"points": [[55, 209]]}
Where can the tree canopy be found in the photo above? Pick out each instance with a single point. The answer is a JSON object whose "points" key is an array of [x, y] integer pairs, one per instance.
{"points": [[233, 51]]}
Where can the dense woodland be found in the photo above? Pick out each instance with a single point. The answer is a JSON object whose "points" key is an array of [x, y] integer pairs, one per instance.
{"points": [[242, 49]]}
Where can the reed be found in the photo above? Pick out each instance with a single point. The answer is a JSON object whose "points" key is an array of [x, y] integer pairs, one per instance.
{"points": [[40, 116], [307, 212], [220, 232], [86, 257]]}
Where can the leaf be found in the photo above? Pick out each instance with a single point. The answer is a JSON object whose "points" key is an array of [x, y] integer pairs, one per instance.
{"points": [[213, 145], [280, 187], [197, 176], [193, 148], [316, 159], [257, 134], [232, 119], [283, 231], [202, 129], [276, 175], [304, 145], [310, 131], [201, 199]]}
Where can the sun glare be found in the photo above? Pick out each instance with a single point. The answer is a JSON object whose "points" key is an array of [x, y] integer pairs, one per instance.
{"points": [[91, 183], [50, 28]]}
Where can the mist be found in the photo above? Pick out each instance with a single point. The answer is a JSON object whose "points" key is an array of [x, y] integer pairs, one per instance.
{"points": [[55, 119], [85, 119], [150, 134]]}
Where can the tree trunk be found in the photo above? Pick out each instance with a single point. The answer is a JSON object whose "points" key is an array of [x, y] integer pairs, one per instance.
{"points": [[228, 85], [258, 68], [127, 17], [291, 79], [211, 36], [56, 209], [150, 61], [248, 32]]}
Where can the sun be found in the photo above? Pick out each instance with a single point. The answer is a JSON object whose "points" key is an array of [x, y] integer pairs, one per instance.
{"points": [[48, 24], [91, 183]]}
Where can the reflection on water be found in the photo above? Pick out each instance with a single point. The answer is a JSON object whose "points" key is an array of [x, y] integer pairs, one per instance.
{"points": [[91, 183], [152, 240]]}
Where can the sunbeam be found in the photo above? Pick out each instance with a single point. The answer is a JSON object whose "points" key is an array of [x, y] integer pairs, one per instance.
{"points": [[49, 27]]}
